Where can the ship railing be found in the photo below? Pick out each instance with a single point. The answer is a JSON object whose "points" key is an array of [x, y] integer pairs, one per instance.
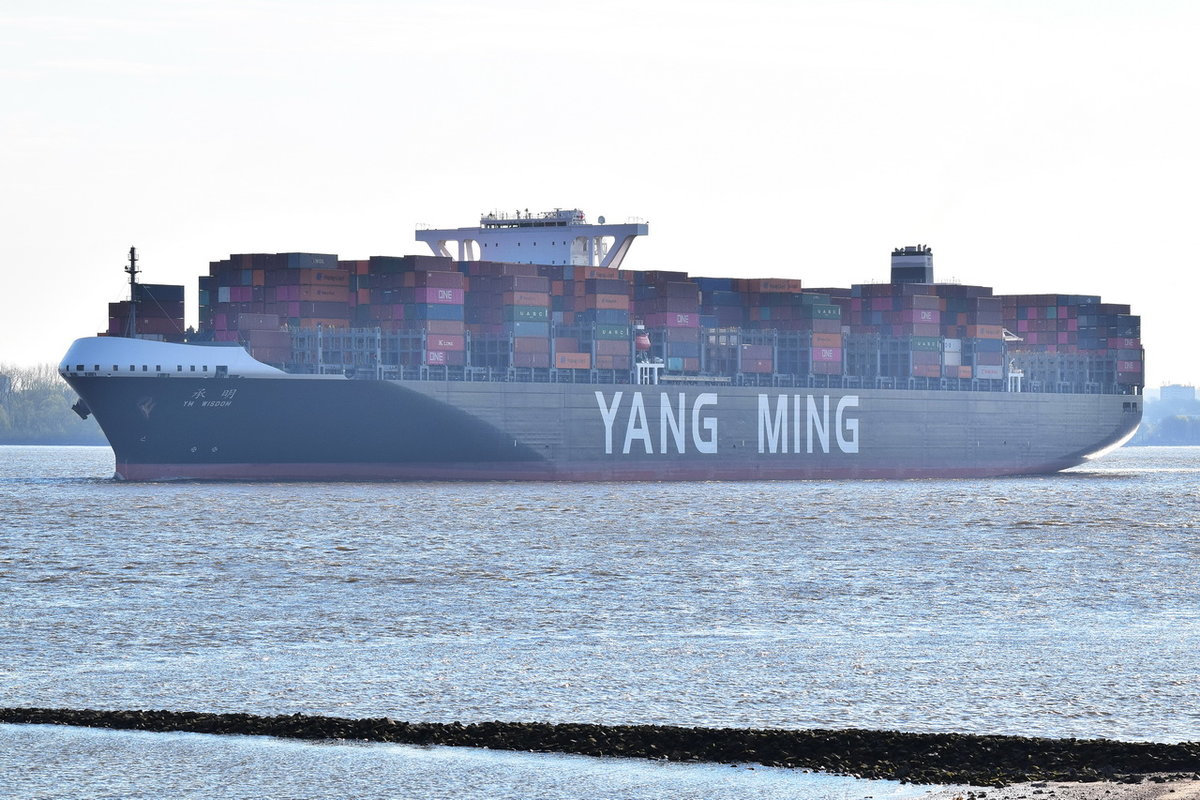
{"points": [[441, 372]]}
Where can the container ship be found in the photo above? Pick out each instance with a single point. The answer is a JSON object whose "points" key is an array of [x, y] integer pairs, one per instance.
{"points": [[522, 350]]}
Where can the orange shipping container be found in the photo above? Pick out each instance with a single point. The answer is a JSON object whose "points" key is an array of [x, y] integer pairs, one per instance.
{"points": [[596, 272], [258, 277], [313, 322], [985, 332], [826, 340], [525, 299], [619, 302], [964, 372], [573, 360]]}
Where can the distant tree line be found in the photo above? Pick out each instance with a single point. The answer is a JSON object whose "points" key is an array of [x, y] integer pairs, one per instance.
{"points": [[35, 408], [1169, 422]]}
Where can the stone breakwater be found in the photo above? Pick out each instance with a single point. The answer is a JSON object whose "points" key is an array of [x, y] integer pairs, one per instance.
{"points": [[925, 758]]}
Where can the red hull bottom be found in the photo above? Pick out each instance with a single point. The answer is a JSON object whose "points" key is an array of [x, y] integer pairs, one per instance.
{"points": [[365, 471]]}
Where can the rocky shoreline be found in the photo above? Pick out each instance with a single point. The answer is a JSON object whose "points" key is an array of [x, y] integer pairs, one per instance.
{"points": [[919, 758]]}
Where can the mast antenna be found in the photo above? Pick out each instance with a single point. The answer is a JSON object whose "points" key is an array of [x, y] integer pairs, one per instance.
{"points": [[133, 299]]}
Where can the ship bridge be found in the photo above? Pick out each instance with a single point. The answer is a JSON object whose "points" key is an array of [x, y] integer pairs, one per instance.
{"points": [[561, 236]]}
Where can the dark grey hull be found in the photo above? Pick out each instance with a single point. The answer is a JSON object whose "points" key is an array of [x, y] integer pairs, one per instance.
{"points": [[321, 428]]}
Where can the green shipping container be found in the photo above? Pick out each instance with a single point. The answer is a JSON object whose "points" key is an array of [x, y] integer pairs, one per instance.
{"points": [[933, 343], [612, 332], [526, 313], [826, 312]]}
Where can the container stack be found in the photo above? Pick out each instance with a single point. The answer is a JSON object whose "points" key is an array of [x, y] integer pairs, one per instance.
{"points": [[422, 311], [720, 305], [508, 314], [308, 296], [434, 305], [159, 313], [1075, 339], [265, 338], [383, 290], [303, 289], [668, 303]]}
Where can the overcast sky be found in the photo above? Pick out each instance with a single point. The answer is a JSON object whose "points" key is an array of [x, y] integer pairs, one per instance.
{"points": [[1041, 146]]}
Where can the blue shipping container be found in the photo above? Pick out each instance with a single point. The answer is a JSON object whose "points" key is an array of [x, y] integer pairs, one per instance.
{"points": [[541, 329]]}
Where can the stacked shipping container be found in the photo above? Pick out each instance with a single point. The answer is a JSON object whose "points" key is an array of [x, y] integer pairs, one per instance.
{"points": [[157, 308], [497, 315]]}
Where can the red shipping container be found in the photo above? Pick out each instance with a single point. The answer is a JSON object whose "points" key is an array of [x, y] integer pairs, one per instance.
{"points": [[759, 365], [438, 280], [923, 301], [531, 359], [673, 320], [322, 294], [445, 341], [765, 285], [613, 362], [613, 301], [611, 347], [756, 352], [530, 344], [269, 339], [444, 326], [447, 357], [257, 322], [524, 283], [827, 354], [921, 315], [927, 370]]}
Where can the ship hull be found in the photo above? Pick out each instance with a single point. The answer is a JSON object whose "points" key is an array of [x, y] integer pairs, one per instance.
{"points": [[293, 427]]}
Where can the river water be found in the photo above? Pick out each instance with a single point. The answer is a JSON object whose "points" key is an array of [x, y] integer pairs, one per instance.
{"points": [[1063, 605]]}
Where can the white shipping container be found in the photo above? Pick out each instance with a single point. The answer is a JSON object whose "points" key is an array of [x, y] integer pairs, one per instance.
{"points": [[952, 358], [989, 372], [952, 346]]}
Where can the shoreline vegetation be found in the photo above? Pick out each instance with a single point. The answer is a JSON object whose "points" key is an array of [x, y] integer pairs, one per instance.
{"points": [[935, 759], [35, 409]]}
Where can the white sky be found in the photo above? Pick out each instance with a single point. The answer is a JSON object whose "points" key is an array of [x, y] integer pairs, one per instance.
{"points": [[1038, 146]]}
